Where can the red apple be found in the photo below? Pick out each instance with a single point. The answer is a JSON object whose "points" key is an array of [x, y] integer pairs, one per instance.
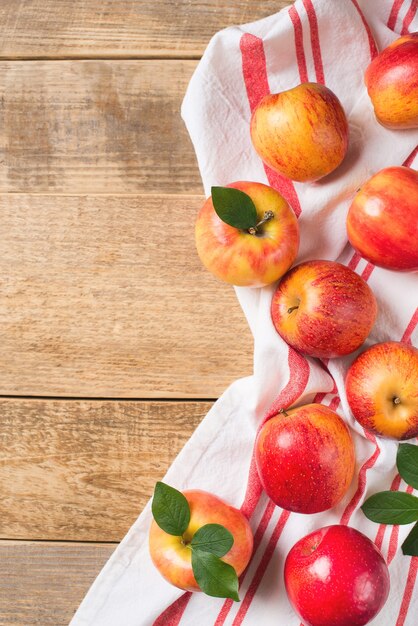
{"points": [[382, 390], [302, 132], [392, 82], [336, 576], [172, 556], [305, 458], [382, 222], [323, 309], [251, 259]]}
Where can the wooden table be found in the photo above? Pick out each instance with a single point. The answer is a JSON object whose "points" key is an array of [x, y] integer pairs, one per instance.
{"points": [[114, 340]]}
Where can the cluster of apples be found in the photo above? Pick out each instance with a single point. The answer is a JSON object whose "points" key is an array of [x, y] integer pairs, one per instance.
{"points": [[248, 235]]}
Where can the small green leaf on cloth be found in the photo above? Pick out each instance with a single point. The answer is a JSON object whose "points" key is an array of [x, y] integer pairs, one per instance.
{"points": [[170, 509], [234, 207], [391, 507]]}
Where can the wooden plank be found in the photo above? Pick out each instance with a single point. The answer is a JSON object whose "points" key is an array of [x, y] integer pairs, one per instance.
{"points": [[105, 296], [95, 126], [83, 470], [111, 28], [42, 584]]}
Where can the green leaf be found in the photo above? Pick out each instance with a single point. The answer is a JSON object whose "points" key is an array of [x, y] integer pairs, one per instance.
{"points": [[214, 577], [407, 462], [170, 509], [213, 538], [391, 507], [234, 207], [410, 545]]}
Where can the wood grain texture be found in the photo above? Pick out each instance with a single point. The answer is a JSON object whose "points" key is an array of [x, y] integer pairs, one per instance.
{"points": [[83, 470], [42, 584], [115, 28], [95, 126], [105, 296]]}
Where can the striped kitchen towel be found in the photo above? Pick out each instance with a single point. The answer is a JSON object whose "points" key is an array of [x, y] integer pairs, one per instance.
{"points": [[329, 42]]}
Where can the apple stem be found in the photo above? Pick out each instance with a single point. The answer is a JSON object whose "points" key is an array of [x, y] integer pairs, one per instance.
{"points": [[292, 308], [396, 400], [268, 215], [284, 412]]}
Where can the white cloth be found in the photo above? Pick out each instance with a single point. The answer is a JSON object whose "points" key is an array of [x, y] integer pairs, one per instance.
{"points": [[216, 110]]}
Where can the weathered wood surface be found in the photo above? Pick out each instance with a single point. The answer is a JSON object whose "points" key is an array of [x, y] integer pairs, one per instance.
{"points": [[105, 296], [42, 584], [83, 470], [119, 28], [95, 126]]}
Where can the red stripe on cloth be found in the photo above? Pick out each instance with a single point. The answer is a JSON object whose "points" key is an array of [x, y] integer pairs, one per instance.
{"points": [[355, 260], [394, 536], [258, 576], [264, 522], [173, 614], [316, 47], [409, 17], [298, 379], [394, 14], [406, 337], [300, 52], [253, 491], [407, 594], [361, 487], [382, 528], [367, 271], [408, 162], [372, 44], [254, 71], [333, 405]]}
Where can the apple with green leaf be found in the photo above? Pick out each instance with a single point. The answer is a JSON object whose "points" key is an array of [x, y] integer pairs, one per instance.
{"points": [[198, 542], [247, 234]]}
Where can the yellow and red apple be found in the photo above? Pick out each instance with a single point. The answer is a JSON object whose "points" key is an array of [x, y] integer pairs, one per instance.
{"points": [[323, 309], [172, 555], [302, 132], [382, 390], [249, 257], [382, 222], [392, 82], [305, 458], [336, 576]]}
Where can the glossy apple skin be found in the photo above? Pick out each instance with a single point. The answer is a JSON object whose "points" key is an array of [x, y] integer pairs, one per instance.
{"points": [[382, 390], [305, 459], [382, 222], [173, 559], [392, 82], [336, 309], [301, 133], [336, 576], [239, 258]]}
